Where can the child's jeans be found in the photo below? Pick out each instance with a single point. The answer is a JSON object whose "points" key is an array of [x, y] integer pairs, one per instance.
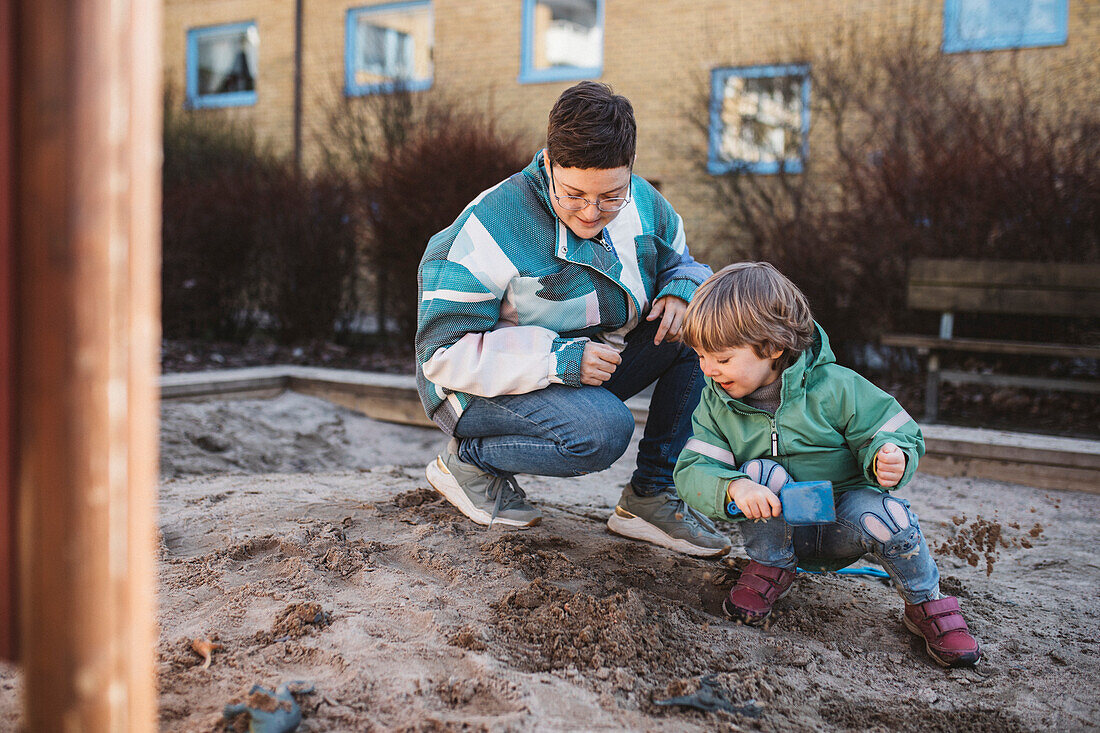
{"points": [[867, 522]]}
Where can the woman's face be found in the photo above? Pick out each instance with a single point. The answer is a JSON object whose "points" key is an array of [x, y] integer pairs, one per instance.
{"points": [[594, 184]]}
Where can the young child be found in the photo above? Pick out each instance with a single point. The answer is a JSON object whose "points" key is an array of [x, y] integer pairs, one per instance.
{"points": [[774, 391]]}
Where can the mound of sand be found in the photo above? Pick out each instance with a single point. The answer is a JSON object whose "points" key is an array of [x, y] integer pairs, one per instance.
{"points": [[305, 540]]}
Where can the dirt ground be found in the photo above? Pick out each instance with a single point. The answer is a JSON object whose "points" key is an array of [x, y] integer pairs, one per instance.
{"points": [[305, 540]]}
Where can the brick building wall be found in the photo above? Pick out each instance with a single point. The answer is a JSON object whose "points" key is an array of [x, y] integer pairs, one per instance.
{"points": [[272, 117], [658, 53]]}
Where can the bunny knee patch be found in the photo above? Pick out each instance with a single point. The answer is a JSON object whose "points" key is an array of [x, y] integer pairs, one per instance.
{"points": [[892, 529], [766, 472]]}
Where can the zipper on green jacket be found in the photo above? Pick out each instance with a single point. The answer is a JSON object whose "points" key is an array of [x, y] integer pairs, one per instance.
{"points": [[775, 417], [735, 405]]}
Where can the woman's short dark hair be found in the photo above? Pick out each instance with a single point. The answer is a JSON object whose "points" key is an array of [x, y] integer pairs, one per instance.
{"points": [[591, 127]]}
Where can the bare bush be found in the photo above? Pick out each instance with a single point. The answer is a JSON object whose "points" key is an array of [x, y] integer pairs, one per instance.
{"points": [[211, 180], [308, 236], [247, 240], [418, 160], [917, 154]]}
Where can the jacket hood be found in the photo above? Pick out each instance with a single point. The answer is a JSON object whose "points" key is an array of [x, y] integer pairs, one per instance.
{"points": [[535, 173], [819, 352]]}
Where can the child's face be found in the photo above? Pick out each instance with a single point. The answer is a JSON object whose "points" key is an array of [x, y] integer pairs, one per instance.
{"points": [[739, 371]]}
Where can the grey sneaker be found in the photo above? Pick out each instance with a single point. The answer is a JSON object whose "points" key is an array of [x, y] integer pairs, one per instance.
{"points": [[482, 497], [667, 521]]}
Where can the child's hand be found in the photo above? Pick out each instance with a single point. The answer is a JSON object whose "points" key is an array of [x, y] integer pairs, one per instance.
{"points": [[754, 500], [889, 465]]}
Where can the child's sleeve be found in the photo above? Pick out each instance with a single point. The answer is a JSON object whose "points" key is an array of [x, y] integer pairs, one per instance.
{"points": [[706, 466], [874, 418]]}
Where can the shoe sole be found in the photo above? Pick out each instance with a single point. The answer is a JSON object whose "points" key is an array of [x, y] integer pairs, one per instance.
{"points": [[746, 618], [443, 482], [967, 660], [742, 617], [637, 528]]}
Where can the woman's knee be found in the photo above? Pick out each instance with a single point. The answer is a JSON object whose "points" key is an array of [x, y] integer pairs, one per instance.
{"points": [[602, 442]]}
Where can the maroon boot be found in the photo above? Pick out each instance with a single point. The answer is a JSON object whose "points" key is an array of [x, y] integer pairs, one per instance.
{"points": [[946, 636], [751, 599]]}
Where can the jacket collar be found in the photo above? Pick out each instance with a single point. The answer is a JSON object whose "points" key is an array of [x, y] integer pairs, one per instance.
{"points": [[568, 247]]}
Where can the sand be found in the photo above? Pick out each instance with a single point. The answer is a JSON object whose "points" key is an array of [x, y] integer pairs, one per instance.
{"points": [[304, 539]]}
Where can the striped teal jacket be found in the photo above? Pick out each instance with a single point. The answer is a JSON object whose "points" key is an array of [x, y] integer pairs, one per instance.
{"points": [[509, 295]]}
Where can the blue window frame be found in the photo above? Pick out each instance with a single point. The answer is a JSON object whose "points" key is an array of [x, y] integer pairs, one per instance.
{"points": [[562, 40], [759, 119], [984, 25], [388, 47], [222, 65]]}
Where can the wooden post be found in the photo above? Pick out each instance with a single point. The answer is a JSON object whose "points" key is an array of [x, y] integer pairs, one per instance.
{"points": [[932, 389], [87, 258], [8, 597]]}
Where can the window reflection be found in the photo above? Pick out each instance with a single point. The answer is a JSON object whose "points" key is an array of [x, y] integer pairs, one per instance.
{"points": [[227, 60], [982, 18], [567, 33], [761, 118], [391, 45], [976, 25]]}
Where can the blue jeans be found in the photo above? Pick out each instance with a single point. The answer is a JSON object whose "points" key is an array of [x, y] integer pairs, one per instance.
{"points": [[571, 431], [867, 522]]}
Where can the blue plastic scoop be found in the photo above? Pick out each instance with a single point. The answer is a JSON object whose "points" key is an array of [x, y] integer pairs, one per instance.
{"points": [[804, 502]]}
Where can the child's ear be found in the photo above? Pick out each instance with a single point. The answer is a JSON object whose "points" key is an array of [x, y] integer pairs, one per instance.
{"points": [[774, 356]]}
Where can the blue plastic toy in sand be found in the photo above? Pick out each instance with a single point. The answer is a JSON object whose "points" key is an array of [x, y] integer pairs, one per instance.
{"points": [[804, 502]]}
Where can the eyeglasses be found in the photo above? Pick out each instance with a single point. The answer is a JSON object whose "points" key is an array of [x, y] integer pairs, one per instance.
{"points": [[576, 203]]}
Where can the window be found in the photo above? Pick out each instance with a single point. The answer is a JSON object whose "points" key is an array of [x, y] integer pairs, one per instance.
{"points": [[389, 46], [221, 65], [759, 119], [983, 25], [562, 40]]}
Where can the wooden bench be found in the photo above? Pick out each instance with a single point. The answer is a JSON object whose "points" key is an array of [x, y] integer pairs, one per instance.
{"points": [[1022, 288]]}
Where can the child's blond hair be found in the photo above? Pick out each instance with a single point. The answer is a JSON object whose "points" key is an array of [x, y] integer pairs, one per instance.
{"points": [[750, 304]]}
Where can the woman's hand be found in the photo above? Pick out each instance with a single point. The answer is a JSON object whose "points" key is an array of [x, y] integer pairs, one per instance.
{"points": [[754, 500], [670, 310], [598, 363]]}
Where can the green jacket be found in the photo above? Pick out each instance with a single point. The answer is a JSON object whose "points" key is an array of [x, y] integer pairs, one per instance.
{"points": [[829, 425]]}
